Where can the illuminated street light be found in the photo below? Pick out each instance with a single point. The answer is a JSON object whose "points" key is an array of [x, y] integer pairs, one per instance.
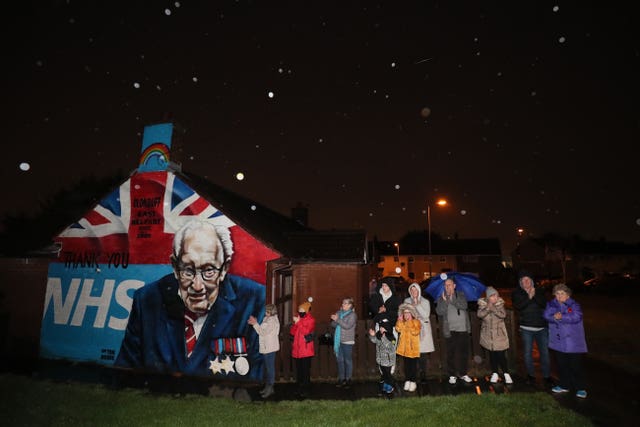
{"points": [[397, 245], [442, 203]]}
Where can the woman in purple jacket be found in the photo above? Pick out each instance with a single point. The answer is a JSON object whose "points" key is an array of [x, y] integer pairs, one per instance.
{"points": [[566, 337]]}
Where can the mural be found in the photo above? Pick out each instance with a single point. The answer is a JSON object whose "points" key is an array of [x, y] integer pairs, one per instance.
{"points": [[156, 278]]}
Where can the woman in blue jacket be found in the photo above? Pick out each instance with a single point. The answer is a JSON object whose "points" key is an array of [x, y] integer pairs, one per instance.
{"points": [[566, 337]]}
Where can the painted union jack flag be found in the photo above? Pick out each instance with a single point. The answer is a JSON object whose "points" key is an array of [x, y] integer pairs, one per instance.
{"points": [[139, 218]]}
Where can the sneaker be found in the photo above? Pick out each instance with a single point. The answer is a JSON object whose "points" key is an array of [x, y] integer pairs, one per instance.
{"points": [[407, 384], [531, 380], [412, 386], [508, 379], [582, 394], [347, 384], [558, 389], [340, 383], [452, 380], [494, 378], [466, 378]]}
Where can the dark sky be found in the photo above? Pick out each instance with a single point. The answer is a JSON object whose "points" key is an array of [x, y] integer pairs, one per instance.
{"points": [[521, 114]]}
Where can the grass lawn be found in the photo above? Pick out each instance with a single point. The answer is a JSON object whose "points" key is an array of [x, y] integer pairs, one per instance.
{"points": [[31, 402]]}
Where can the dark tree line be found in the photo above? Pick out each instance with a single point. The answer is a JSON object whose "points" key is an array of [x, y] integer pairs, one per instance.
{"points": [[24, 234]]}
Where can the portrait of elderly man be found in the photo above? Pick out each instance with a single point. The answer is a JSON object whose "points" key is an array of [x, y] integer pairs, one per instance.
{"points": [[194, 320]]}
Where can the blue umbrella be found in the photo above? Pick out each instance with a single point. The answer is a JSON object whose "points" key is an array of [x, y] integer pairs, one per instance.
{"points": [[467, 283]]}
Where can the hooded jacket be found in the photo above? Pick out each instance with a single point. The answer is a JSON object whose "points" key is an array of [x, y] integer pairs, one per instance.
{"points": [[409, 330], [567, 334], [423, 308], [493, 332]]}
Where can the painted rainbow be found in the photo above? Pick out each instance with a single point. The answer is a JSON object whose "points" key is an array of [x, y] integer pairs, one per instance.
{"points": [[155, 154]]}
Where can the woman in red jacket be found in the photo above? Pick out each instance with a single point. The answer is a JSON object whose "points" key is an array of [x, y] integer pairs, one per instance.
{"points": [[302, 330]]}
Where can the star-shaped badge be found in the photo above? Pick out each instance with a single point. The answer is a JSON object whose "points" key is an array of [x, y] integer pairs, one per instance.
{"points": [[215, 366], [227, 364]]}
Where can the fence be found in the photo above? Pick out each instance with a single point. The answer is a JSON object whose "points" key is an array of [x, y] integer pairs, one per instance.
{"points": [[323, 364]]}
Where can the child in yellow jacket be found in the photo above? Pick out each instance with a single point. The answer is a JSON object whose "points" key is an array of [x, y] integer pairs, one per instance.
{"points": [[408, 327]]}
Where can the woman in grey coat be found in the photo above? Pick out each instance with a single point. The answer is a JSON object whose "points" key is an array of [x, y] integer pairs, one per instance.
{"points": [[344, 338]]}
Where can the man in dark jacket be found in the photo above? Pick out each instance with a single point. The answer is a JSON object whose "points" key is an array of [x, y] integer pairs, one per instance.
{"points": [[530, 303]]}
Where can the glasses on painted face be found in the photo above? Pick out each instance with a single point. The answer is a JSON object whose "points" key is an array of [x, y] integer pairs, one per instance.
{"points": [[207, 273]]}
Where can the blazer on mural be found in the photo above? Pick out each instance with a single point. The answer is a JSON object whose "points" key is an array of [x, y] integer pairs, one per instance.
{"points": [[154, 338]]}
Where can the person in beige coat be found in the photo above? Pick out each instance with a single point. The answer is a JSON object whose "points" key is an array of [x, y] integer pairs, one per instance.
{"points": [[269, 343], [493, 333]]}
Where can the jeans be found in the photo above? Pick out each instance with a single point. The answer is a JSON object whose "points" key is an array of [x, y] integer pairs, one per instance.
{"points": [[457, 353], [269, 368], [542, 340], [345, 361]]}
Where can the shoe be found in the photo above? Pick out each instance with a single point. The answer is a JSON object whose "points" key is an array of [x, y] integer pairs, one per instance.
{"points": [[508, 379], [531, 380], [582, 394], [268, 392], [407, 384], [412, 386], [452, 380], [494, 378], [346, 384], [558, 389], [548, 381], [340, 383], [466, 378]]}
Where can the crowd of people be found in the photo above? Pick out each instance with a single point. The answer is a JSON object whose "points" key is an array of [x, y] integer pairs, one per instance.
{"points": [[401, 330]]}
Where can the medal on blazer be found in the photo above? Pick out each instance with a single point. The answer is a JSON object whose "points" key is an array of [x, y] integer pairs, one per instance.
{"points": [[229, 355]]}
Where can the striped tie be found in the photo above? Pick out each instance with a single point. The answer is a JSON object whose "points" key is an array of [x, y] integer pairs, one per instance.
{"points": [[189, 331]]}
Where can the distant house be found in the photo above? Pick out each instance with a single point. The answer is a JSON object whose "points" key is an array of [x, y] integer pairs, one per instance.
{"points": [[479, 256], [576, 259]]}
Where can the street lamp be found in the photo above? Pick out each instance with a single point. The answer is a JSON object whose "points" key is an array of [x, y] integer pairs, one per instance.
{"points": [[397, 245], [439, 202]]}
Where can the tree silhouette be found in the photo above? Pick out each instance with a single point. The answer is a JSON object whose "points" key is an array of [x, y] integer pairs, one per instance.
{"points": [[25, 234]]}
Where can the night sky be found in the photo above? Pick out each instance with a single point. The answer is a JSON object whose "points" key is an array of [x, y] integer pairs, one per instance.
{"points": [[521, 113]]}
